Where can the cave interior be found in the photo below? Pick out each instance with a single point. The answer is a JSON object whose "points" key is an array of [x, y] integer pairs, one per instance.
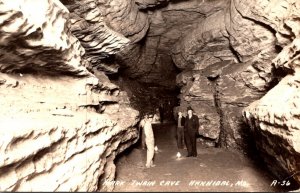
{"points": [[97, 67]]}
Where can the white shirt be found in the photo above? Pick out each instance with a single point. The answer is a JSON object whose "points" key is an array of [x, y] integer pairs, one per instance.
{"points": [[148, 130]]}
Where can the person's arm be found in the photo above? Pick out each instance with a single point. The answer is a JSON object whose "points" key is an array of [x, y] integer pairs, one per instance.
{"points": [[142, 122]]}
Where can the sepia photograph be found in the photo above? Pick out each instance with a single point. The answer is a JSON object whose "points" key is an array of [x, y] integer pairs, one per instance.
{"points": [[149, 95]]}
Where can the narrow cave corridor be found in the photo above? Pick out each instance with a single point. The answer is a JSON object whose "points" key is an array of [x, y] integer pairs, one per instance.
{"points": [[77, 77], [214, 169]]}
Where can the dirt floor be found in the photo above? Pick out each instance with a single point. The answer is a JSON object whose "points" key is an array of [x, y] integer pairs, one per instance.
{"points": [[213, 170]]}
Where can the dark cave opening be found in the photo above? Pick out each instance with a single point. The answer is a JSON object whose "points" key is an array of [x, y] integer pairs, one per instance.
{"points": [[150, 98], [155, 94]]}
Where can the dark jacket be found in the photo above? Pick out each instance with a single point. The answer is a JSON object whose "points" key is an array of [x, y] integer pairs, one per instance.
{"points": [[182, 121], [191, 125]]}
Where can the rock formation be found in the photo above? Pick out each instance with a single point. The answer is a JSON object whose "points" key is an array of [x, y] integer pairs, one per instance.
{"points": [[274, 119], [221, 68], [150, 60], [61, 106], [61, 126], [29, 39], [234, 62], [98, 39]]}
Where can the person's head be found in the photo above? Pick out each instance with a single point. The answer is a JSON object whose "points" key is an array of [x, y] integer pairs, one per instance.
{"points": [[147, 117], [189, 111], [179, 113], [150, 118]]}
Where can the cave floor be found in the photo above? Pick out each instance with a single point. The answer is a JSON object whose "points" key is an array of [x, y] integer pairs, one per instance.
{"points": [[235, 171]]}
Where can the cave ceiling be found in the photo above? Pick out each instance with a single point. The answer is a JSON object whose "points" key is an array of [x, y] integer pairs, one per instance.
{"points": [[144, 30]]}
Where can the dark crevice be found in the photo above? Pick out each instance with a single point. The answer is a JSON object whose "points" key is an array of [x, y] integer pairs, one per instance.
{"points": [[235, 53], [277, 75], [225, 133], [221, 139]]}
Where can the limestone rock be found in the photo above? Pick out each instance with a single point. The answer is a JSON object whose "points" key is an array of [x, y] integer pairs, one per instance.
{"points": [[98, 39], [39, 40], [57, 132], [235, 62], [274, 121], [145, 4], [274, 118], [125, 18], [59, 142], [149, 60]]}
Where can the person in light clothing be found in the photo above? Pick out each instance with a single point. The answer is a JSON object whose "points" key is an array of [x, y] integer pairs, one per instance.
{"points": [[149, 139]]}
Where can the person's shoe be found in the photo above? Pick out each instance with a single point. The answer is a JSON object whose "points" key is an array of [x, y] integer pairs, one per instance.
{"points": [[152, 165], [147, 166]]}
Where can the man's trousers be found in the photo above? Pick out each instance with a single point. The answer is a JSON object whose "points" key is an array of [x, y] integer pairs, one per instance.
{"points": [[190, 139]]}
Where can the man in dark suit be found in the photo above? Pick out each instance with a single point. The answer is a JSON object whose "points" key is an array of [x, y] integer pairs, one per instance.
{"points": [[190, 132], [180, 130]]}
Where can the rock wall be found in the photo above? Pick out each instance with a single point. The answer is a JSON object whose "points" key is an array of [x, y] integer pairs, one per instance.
{"points": [[60, 106], [96, 36], [61, 126], [29, 39], [226, 66], [234, 62], [150, 59], [274, 119], [238, 53]]}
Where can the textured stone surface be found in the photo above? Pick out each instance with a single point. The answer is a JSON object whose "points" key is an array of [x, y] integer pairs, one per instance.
{"points": [[150, 60], [60, 142], [106, 27], [98, 39], [229, 53], [274, 119], [235, 64], [61, 126], [146, 4], [29, 38], [125, 17]]}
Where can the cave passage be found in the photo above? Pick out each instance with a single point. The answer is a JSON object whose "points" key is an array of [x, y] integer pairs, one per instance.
{"points": [[76, 78], [150, 98], [214, 169]]}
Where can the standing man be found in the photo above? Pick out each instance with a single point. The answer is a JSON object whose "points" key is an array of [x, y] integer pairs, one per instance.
{"points": [[149, 139], [180, 131], [190, 132]]}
